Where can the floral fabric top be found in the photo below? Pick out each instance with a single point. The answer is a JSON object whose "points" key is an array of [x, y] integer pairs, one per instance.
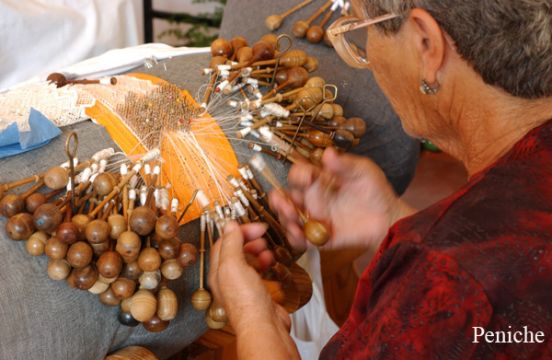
{"points": [[469, 277]]}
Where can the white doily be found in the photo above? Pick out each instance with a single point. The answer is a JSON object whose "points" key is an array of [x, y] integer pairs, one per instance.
{"points": [[66, 105]]}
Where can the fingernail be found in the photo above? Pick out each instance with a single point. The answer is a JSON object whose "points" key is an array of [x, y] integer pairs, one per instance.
{"points": [[231, 226]]}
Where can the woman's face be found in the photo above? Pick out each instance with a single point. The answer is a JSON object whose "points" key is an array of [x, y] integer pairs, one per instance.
{"points": [[396, 68]]}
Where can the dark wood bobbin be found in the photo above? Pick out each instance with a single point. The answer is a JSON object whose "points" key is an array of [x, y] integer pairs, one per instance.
{"points": [[166, 227], [221, 47], [356, 126], [281, 76], [110, 264], [123, 288], [33, 201], [262, 50], [155, 324], [125, 305], [237, 43], [97, 231], [142, 220], [168, 249], [84, 278], [118, 225], [100, 248], [55, 249], [56, 178], [343, 139], [20, 226], [187, 255], [171, 269], [337, 121], [108, 298], [57, 79], [47, 217], [80, 254], [312, 64], [104, 183], [126, 319], [149, 259], [244, 55], [68, 233], [58, 269], [11, 204], [129, 245], [283, 255], [81, 221], [315, 34], [131, 271], [293, 58], [36, 243]]}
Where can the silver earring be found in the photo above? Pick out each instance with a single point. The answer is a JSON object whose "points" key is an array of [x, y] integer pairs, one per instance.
{"points": [[427, 89]]}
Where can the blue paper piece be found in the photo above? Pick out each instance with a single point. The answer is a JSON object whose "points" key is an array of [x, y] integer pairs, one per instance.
{"points": [[13, 141]]}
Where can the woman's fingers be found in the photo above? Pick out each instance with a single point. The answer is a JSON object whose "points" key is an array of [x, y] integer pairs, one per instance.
{"points": [[259, 249], [266, 259], [282, 205], [302, 175], [289, 218], [255, 247], [253, 231], [214, 255]]}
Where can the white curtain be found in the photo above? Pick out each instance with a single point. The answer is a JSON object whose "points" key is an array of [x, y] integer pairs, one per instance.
{"points": [[40, 36]]}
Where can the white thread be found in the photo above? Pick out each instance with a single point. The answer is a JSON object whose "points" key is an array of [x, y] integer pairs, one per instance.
{"points": [[174, 205], [243, 132], [276, 110], [83, 176], [103, 154], [103, 165], [233, 181], [143, 195], [202, 199]]}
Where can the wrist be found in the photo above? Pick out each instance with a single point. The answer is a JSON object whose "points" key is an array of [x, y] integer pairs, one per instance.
{"points": [[248, 317]]}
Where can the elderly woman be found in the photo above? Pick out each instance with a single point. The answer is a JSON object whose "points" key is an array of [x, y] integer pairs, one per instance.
{"points": [[471, 276]]}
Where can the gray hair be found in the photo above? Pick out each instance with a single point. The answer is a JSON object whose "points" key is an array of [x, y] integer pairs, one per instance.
{"points": [[508, 42]]}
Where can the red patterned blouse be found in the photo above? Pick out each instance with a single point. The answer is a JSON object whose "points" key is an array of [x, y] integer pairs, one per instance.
{"points": [[469, 277]]}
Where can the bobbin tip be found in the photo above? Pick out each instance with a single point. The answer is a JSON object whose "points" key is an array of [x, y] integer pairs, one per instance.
{"points": [[202, 199]]}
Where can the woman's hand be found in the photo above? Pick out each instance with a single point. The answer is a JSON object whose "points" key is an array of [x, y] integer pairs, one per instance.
{"points": [[350, 192], [234, 282], [258, 322]]}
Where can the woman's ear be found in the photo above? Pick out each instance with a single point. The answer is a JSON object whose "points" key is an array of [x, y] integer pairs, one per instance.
{"points": [[429, 40]]}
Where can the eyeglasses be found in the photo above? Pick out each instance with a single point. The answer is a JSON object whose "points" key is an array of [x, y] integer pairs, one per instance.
{"points": [[349, 38]]}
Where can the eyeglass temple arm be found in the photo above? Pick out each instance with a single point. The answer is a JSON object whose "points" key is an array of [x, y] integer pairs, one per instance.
{"points": [[360, 24]]}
